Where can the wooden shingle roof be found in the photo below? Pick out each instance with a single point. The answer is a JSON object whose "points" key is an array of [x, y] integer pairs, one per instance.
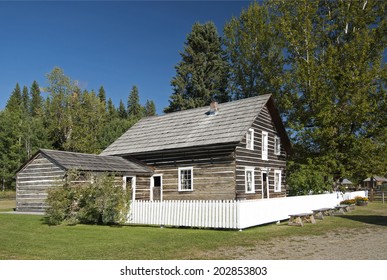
{"points": [[91, 162], [190, 128]]}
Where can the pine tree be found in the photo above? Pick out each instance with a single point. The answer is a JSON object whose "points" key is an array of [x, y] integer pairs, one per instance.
{"points": [[134, 108], [36, 107], [150, 108], [201, 76], [15, 101], [111, 110], [25, 102], [122, 114], [102, 94]]}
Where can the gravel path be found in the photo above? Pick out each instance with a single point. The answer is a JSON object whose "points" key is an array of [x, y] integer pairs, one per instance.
{"points": [[343, 244]]}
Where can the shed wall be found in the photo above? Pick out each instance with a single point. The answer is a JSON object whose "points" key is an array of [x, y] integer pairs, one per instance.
{"points": [[33, 181]]}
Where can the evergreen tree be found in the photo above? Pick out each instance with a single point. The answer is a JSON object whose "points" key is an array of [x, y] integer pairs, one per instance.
{"points": [[111, 110], [102, 94], [14, 102], [201, 76], [254, 54], [122, 110], [36, 107], [150, 108], [134, 108], [25, 102]]}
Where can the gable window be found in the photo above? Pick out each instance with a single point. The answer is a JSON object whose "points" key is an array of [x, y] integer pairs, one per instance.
{"points": [[277, 180], [264, 145], [277, 146], [250, 139], [185, 178], [249, 180]]}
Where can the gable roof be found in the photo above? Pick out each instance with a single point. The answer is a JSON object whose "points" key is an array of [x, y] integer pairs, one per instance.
{"points": [[194, 128], [376, 178], [90, 162]]}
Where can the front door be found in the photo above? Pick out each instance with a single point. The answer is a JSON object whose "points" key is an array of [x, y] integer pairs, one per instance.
{"points": [[157, 187]]}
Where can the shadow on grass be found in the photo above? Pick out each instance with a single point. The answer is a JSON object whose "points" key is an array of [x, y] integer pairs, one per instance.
{"points": [[368, 219]]}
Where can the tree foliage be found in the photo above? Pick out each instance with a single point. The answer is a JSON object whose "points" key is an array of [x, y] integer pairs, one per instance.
{"points": [[254, 54], [68, 119], [201, 76], [335, 83]]}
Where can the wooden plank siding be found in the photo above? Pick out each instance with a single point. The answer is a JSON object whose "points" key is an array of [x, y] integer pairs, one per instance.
{"points": [[253, 158], [33, 182], [213, 172], [40, 174]]}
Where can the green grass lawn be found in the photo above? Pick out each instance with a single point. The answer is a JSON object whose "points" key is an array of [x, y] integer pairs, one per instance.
{"points": [[27, 237]]}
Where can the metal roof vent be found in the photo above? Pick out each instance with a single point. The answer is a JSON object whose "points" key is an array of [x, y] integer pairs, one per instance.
{"points": [[213, 108]]}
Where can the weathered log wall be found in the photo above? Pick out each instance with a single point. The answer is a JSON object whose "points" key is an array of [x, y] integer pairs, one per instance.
{"points": [[253, 158], [33, 181]]}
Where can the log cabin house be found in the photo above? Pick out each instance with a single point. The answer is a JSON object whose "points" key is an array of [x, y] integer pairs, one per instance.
{"points": [[231, 151]]}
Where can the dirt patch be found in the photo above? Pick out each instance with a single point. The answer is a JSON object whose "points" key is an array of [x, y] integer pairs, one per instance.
{"points": [[343, 244]]}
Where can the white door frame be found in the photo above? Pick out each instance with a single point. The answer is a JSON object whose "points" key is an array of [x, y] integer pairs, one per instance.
{"points": [[152, 185], [133, 185], [267, 172]]}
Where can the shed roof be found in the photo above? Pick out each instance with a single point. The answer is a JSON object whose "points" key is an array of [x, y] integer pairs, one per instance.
{"points": [[195, 127], [91, 162], [376, 178]]}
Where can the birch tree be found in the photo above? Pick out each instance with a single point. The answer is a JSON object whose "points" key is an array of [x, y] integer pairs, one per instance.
{"points": [[335, 83]]}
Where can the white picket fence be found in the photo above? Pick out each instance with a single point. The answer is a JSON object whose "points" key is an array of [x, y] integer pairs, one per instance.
{"points": [[229, 214]]}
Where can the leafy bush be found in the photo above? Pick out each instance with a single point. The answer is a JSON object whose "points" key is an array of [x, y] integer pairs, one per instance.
{"points": [[59, 201], [99, 201], [306, 179]]}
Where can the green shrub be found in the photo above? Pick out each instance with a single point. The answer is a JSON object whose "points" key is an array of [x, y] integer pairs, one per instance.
{"points": [[306, 179], [59, 201], [96, 202]]}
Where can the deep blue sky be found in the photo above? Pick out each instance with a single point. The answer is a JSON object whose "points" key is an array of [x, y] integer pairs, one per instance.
{"points": [[114, 44]]}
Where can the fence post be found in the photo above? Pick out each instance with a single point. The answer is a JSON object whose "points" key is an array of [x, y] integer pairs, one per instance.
{"points": [[238, 215], [383, 197]]}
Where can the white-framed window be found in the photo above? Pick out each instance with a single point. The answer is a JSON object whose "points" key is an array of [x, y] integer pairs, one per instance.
{"points": [[277, 180], [185, 179], [264, 145], [250, 139], [249, 180], [277, 145]]}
